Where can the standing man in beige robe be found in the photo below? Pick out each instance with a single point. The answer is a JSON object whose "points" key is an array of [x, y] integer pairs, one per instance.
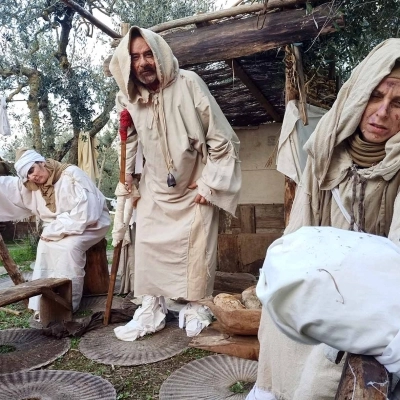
{"points": [[191, 171]]}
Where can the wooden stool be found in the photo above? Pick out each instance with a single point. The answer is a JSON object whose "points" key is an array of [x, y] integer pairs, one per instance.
{"points": [[97, 277]]}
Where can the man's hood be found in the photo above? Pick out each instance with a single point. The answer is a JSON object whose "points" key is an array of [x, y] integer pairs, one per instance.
{"points": [[343, 119], [120, 66]]}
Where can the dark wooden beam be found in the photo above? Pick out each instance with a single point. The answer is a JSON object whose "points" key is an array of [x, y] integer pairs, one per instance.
{"points": [[244, 37], [86, 14], [248, 82], [226, 13]]}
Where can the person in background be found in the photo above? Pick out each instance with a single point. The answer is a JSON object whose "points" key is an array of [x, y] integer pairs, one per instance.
{"points": [[72, 209]]}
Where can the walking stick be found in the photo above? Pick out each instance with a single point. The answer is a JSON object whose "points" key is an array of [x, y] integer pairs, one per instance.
{"points": [[124, 123]]}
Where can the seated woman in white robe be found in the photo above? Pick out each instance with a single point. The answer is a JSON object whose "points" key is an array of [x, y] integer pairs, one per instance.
{"points": [[72, 209]]}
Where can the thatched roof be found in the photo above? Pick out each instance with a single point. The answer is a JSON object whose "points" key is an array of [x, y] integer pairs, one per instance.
{"points": [[239, 105], [242, 57]]}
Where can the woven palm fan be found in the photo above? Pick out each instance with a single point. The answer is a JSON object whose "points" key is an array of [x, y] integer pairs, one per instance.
{"points": [[101, 345], [217, 377], [26, 349], [55, 385]]}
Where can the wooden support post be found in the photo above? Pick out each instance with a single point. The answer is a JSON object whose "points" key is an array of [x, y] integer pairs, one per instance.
{"points": [[55, 310], [301, 84], [291, 93], [97, 276], [363, 378]]}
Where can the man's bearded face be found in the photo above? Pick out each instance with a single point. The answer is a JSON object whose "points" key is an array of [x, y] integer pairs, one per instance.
{"points": [[143, 65]]}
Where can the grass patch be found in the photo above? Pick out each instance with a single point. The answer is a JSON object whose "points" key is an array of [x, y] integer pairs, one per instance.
{"points": [[241, 387], [10, 321], [5, 348], [22, 253]]}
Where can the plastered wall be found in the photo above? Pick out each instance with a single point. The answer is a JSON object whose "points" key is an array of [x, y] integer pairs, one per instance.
{"points": [[261, 182]]}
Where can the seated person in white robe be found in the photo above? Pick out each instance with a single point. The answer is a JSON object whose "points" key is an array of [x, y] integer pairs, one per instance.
{"points": [[72, 209]]}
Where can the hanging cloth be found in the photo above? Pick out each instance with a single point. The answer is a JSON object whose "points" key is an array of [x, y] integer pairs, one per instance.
{"points": [[5, 129]]}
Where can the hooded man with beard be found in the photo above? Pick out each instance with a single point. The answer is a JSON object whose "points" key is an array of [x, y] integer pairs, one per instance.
{"points": [[351, 182], [191, 171]]}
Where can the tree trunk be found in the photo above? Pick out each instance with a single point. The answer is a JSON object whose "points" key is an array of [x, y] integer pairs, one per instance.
{"points": [[33, 105], [48, 125]]}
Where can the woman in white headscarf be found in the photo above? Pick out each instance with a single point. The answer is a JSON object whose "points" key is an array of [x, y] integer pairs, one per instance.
{"points": [[73, 211]]}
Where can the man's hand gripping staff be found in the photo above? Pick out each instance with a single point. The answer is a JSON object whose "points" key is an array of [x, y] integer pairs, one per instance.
{"points": [[122, 216]]}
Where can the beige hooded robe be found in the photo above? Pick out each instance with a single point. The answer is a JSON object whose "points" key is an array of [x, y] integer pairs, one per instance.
{"points": [[302, 372], [176, 239]]}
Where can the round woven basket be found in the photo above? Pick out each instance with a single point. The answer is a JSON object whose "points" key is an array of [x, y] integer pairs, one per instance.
{"points": [[30, 349], [55, 385], [217, 377], [102, 345]]}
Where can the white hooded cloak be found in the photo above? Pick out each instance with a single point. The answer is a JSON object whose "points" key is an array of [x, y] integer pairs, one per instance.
{"points": [[176, 239]]}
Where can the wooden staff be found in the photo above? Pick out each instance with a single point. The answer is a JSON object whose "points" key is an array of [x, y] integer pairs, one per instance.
{"points": [[123, 132], [117, 249]]}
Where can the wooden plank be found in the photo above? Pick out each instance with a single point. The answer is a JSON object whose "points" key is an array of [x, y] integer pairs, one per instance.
{"points": [[244, 252], [229, 12], [226, 221], [238, 346], [363, 378], [238, 38], [249, 83], [55, 297], [228, 253], [252, 250], [54, 311], [28, 289], [228, 282], [269, 216], [97, 278], [247, 219]]}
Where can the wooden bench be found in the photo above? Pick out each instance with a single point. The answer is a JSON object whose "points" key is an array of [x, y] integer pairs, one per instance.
{"points": [[56, 300]]}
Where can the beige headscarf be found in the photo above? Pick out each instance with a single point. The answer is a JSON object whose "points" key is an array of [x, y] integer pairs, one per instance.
{"points": [[343, 119], [24, 162]]}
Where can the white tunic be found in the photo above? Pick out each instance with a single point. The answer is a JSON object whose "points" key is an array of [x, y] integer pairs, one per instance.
{"points": [[81, 220]]}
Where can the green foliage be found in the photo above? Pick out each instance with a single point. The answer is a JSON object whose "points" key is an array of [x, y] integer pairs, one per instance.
{"points": [[5, 348], [241, 387], [10, 321], [147, 13], [22, 253], [367, 23]]}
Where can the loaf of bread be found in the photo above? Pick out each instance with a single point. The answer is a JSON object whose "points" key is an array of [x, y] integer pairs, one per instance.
{"points": [[228, 302], [250, 299]]}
